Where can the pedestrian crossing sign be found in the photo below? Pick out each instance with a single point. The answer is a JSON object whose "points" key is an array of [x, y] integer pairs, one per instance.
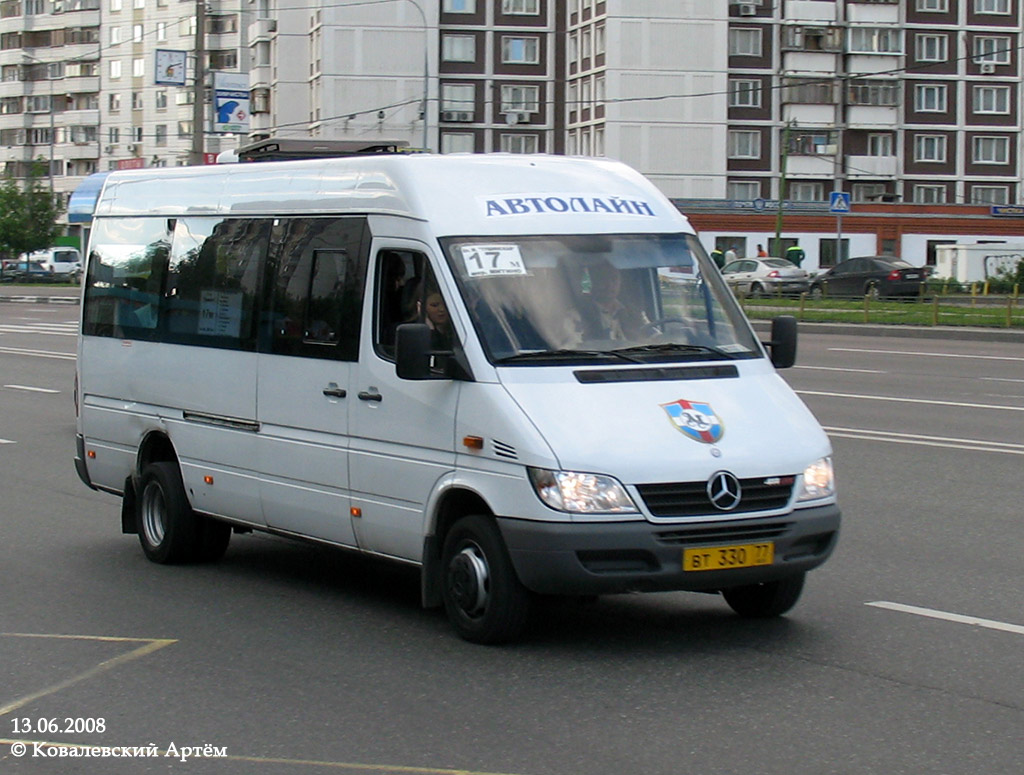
{"points": [[840, 202]]}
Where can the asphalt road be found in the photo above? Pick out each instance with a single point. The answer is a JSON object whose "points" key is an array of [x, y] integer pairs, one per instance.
{"points": [[904, 655]]}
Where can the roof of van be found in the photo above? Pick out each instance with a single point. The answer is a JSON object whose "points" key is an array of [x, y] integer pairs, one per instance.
{"points": [[460, 194]]}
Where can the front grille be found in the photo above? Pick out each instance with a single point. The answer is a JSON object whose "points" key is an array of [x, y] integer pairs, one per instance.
{"points": [[729, 534], [690, 499]]}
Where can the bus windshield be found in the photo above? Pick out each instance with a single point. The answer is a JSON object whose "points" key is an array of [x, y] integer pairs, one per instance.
{"points": [[598, 298]]}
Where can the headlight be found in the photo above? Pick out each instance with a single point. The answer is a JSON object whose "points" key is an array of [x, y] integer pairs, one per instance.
{"points": [[581, 493], [819, 481]]}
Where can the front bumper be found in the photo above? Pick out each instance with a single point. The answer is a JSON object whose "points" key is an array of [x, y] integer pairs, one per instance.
{"points": [[605, 558]]}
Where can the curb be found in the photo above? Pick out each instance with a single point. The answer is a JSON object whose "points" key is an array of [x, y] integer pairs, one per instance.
{"points": [[39, 299]]}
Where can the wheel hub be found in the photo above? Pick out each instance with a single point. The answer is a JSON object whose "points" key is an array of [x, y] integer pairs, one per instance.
{"points": [[468, 581], [153, 516]]}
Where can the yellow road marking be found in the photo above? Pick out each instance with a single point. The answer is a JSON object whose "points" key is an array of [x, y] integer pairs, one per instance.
{"points": [[149, 646]]}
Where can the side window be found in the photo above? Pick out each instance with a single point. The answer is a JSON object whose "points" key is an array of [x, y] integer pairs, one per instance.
{"points": [[408, 292], [213, 281], [317, 289], [127, 266]]}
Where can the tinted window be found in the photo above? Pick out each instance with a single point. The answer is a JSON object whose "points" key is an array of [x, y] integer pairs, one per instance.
{"points": [[213, 281], [407, 292], [320, 269], [127, 266], [732, 266]]}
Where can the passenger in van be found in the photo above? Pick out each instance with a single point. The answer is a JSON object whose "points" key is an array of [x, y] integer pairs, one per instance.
{"points": [[436, 316], [602, 314]]}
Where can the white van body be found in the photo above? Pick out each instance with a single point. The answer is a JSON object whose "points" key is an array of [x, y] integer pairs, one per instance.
{"points": [[59, 260], [211, 394]]}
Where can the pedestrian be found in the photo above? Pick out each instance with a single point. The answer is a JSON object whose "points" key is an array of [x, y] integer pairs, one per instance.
{"points": [[730, 255], [795, 254], [761, 252], [718, 257]]}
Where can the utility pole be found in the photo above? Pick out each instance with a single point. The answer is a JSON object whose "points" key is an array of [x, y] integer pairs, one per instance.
{"points": [[199, 87], [782, 188]]}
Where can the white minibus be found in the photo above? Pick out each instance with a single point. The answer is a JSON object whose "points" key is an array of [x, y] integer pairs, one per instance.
{"points": [[520, 374]]}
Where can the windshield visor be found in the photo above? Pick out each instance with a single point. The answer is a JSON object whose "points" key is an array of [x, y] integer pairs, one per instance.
{"points": [[598, 298]]}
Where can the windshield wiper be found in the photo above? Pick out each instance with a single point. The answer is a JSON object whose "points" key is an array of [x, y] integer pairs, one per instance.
{"points": [[563, 355], [677, 347]]}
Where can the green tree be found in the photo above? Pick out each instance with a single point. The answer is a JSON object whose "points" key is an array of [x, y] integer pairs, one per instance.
{"points": [[28, 213]]}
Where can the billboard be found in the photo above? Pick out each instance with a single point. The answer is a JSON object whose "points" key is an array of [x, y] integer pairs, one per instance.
{"points": [[231, 102]]}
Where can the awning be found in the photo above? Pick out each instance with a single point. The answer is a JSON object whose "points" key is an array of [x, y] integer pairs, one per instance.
{"points": [[82, 203]]}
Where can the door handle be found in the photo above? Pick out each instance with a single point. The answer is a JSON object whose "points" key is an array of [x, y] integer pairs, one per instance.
{"points": [[365, 395], [335, 392]]}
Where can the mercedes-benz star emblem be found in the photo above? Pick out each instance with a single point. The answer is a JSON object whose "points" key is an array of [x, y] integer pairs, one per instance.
{"points": [[724, 491]]}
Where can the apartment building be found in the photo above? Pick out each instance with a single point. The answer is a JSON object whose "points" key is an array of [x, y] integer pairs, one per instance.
{"points": [[889, 100]]}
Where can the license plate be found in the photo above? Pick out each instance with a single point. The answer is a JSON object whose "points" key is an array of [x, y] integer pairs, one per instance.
{"points": [[911, 276], [725, 557]]}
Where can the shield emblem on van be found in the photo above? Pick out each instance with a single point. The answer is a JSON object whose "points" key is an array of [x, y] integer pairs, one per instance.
{"points": [[696, 419]]}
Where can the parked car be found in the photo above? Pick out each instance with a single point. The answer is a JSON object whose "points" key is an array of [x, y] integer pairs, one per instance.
{"points": [[62, 261], [875, 276], [27, 272], [765, 276]]}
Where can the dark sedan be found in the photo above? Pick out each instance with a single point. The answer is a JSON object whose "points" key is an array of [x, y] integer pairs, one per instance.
{"points": [[875, 276], [27, 272]]}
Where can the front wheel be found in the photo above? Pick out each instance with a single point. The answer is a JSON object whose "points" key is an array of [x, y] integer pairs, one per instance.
{"points": [[763, 601], [483, 597], [169, 530]]}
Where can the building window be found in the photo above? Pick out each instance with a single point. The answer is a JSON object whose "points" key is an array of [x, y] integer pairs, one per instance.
{"points": [[138, 67], [880, 93], [929, 195], [136, 33], [744, 42], [932, 48], [875, 40], [807, 191], [520, 99], [990, 195], [113, 135], [160, 135], [115, 5], [115, 35], [744, 144], [261, 100], [992, 99], [812, 143], [458, 48], [459, 6], [809, 91], [457, 142], [991, 150], [992, 50], [161, 31], [224, 59], [744, 93], [744, 190], [933, 6], [868, 192], [930, 148], [880, 145], [1001, 7], [458, 96], [115, 69], [136, 100], [113, 102], [519, 143], [930, 98], [520, 51], [184, 129], [808, 38], [161, 99], [523, 7]]}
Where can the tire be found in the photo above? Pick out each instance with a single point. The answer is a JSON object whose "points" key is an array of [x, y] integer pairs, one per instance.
{"points": [[817, 293], [764, 601], [756, 291], [483, 597], [169, 530]]}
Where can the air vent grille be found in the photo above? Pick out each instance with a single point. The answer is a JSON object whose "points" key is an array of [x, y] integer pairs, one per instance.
{"points": [[501, 449]]}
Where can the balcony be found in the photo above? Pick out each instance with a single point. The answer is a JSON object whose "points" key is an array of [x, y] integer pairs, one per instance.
{"points": [[262, 29], [871, 166]]}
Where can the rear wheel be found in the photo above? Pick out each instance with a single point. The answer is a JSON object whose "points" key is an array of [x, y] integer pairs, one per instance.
{"points": [[756, 290], [763, 601], [169, 530], [483, 597], [871, 290]]}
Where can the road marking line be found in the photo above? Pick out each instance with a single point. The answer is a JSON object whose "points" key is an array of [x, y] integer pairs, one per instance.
{"points": [[990, 624], [975, 445], [38, 353], [31, 389], [836, 368], [7, 441], [1000, 379], [350, 766], [929, 401], [149, 646], [928, 355]]}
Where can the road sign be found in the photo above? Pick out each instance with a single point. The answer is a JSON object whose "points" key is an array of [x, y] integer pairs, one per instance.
{"points": [[840, 203]]}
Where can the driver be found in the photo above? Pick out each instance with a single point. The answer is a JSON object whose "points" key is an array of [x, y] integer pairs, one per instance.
{"points": [[602, 314]]}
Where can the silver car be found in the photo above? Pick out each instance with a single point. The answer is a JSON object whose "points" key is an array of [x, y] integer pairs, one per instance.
{"points": [[765, 276]]}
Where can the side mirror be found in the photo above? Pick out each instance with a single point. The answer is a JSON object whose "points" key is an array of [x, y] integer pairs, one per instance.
{"points": [[412, 351], [783, 341]]}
